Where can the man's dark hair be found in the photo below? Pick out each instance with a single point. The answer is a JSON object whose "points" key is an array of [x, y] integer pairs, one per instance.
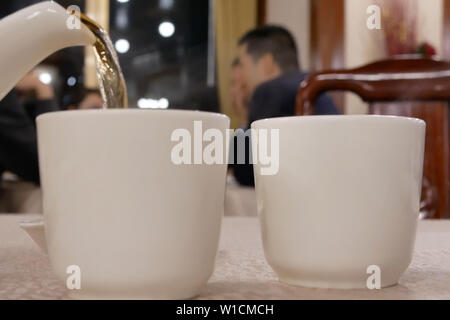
{"points": [[274, 40]]}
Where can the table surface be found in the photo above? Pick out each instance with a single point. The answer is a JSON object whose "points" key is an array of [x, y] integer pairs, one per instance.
{"points": [[241, 270]]}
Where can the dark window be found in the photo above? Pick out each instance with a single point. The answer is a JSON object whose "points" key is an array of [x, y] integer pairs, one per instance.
{"points": [[157, 67]]}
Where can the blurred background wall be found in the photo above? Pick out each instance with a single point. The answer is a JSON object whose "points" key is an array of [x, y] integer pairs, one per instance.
{"points": [[233, 19]]}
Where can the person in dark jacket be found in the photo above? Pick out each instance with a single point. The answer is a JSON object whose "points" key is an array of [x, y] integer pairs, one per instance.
{"points": [[18, 137], [269, 60]]}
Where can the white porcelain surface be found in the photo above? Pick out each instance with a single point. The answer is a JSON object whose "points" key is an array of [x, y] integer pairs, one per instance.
{"points": [[346, 197], [30, 35], [137, 225]]}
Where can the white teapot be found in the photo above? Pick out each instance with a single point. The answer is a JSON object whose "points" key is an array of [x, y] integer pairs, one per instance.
{"points": [[31, 34]]}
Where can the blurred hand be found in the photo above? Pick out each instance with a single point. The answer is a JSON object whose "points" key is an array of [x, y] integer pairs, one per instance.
{"points": [[91, 101], [31, 83], [238, 103]]}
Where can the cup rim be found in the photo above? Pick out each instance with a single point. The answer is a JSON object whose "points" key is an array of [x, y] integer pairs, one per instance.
{"points": [[340, 118], [102, 112]]}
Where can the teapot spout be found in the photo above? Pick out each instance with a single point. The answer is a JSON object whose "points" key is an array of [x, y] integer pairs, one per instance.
{"points": [[36, 231], [32, 34]]}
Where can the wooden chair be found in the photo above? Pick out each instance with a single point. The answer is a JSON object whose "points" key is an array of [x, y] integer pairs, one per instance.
{"points": [[415, 87]]}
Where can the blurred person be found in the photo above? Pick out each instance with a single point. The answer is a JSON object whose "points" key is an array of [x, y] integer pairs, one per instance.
{"points": [[92, 100], [239, 92], [87, 99], [18, 137], [271, 72], [269, 59]]}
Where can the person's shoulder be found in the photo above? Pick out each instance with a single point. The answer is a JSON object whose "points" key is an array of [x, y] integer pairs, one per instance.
{"points": [[265, 87], [275, 98], [280, 85], [10, 108]]}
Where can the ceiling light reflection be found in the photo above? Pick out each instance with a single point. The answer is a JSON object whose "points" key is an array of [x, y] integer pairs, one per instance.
{"points": [[166, 29]]}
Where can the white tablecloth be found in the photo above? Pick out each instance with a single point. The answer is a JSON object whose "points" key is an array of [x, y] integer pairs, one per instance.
{"points": [[241, 270]]}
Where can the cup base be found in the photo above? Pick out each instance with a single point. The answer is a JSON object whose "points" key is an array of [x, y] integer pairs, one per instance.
{"points": [[343, 284], [180, 295]]}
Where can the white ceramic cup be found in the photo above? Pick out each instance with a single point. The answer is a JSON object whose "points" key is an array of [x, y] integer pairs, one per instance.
{"points": [[115, 205], [346, 197]]}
